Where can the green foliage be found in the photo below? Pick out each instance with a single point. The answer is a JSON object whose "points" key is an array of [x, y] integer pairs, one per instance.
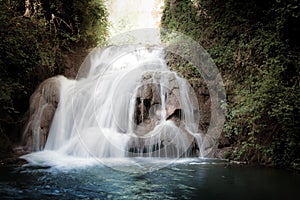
{"points": [[77, 22], [26, 58], [33, 46], [255, 46], [182, 67]]}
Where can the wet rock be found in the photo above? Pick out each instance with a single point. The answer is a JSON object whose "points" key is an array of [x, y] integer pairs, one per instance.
{"points": [[161, 92], [43, 103], [149, 102], [166, 140]]}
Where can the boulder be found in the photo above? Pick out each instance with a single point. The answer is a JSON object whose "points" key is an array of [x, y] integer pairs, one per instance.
{"points": [[43, 103], [160, 92]]}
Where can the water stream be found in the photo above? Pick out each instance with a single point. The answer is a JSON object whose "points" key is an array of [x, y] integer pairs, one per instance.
{"points": [[125, 103], [184, 179], [127, 128], [116, 135]]}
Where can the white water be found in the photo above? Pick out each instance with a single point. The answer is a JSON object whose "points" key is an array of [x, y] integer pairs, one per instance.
{"points": [[95, 117], [96, 114]]}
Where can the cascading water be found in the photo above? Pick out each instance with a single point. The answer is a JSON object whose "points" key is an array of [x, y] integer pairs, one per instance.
{"points": [[125, 103]]}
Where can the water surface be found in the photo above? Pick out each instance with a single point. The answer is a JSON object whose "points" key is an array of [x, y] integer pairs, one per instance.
{"points": [[183, 179]]}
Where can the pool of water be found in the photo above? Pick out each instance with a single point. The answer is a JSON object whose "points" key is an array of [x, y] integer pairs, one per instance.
{"points": [[182, 179]]}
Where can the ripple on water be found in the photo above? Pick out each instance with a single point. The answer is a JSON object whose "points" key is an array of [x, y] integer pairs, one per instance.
{"points": [[181, 180]]}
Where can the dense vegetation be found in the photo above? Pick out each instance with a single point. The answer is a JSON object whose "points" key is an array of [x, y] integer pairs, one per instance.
{"points": [[255, 45], [36, 38]]}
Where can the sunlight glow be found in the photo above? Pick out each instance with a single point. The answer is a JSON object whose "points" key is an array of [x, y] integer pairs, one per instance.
{"points": [[127, 15]]}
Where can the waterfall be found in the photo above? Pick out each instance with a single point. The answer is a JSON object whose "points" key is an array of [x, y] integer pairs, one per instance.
{"points": [[126, 103]]}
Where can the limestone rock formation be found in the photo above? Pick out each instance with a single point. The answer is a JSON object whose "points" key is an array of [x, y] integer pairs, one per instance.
{"points": [[148, 115], [158, 98], [43, 103]]}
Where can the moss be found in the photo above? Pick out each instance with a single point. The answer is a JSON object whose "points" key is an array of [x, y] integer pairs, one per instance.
{"points": [[227, 155], [252, 44], [34, 47]]}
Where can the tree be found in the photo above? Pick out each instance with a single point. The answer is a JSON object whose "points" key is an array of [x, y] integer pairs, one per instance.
{"points": [[254, 45], [36, 38]]}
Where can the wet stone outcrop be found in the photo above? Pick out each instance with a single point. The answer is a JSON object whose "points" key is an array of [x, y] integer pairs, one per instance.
{"points": [[162, 99], [149, 102], [43, 104], [160, 92]]}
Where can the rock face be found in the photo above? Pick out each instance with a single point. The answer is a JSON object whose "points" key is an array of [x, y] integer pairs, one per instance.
{"points": [[149, 101], [158, 98], [43, 103], [212, 115], [204, 102], [162, 93], [72, 62]]}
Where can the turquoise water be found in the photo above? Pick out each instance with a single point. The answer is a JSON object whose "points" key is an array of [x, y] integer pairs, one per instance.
{"points": [[184, 179]]}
